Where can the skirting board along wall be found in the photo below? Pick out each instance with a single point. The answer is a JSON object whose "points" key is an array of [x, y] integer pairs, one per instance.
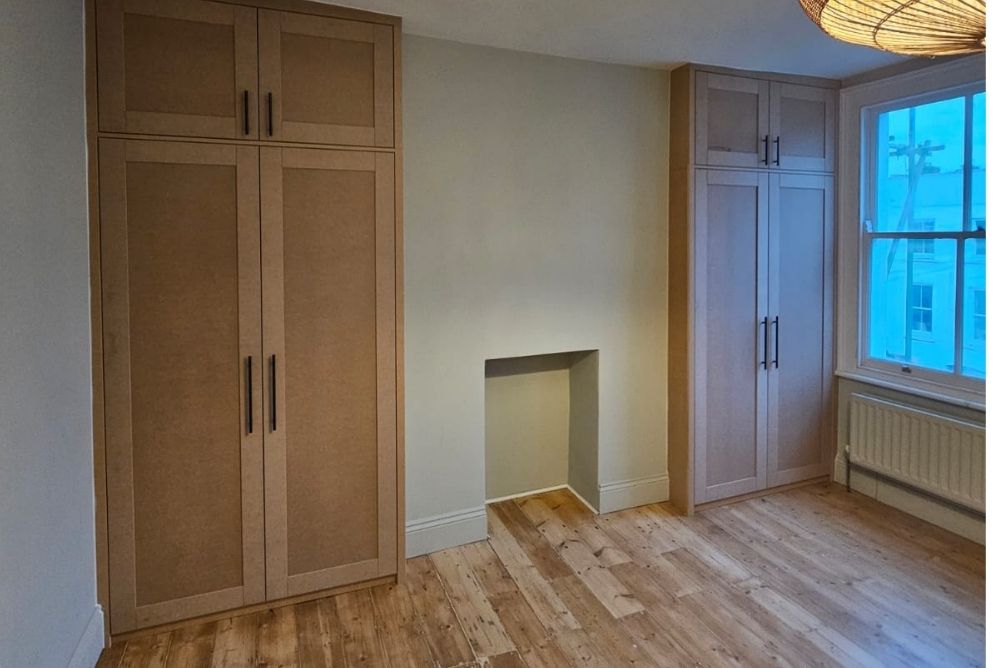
{"points": [[631, 493], [91, 643], [446, 530], [468, 526], [912, 502]]}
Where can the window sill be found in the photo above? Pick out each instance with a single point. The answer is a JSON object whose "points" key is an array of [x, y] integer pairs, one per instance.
{"points": [[961, 398]]}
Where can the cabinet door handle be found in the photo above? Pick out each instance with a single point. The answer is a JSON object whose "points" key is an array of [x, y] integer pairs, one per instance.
{"points": [[763, 357], [777, 338], [274, 393], [249, 370], [270, 115], [767, 146], [777, 151], [246, 112]]}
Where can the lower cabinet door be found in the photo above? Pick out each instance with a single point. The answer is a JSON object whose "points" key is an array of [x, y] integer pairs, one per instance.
{"points": [[730, 380], [329, 344], [800, 362], [180, 248]]}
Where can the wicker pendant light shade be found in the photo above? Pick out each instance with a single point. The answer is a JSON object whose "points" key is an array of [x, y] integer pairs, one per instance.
{"points": [[910, 27]]}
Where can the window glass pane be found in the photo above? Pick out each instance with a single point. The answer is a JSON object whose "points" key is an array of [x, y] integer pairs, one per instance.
{"points": [[912, 303], [974, 314], [978, 205], [920, 155]]}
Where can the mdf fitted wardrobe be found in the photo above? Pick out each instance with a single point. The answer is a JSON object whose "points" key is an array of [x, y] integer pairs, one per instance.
{"points": [[248, 261], [751, 278]]}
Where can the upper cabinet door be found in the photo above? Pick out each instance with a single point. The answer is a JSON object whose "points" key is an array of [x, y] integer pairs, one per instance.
{"points": [[325, 80], [177, 67], [731, 121], [802, 127]]}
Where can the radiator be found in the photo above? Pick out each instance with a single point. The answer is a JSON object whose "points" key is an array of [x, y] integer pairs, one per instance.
{"points": [[936, 454]]}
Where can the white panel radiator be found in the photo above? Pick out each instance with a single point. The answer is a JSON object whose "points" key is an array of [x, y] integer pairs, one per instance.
{"points": [[937, 454]]}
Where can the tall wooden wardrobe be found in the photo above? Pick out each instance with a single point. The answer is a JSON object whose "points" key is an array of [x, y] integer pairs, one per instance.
{"points": [[751, 280], [248, 169]]}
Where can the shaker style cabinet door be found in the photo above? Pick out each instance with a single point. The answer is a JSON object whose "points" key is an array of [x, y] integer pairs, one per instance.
{"points": [[325, 80], [180, 266], [730, 384], [802, 127], [800, 358], [731, 121], [328, 231], [177, 67]]}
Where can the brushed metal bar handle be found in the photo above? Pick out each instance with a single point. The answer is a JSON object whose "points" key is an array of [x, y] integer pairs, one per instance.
{"points": [[270, 115], [249, 370], [763, 358], [777, 338], [767, 148], [246, 112], [274, 393], [777, 151]]}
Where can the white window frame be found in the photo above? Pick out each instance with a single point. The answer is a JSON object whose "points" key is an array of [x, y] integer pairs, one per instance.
{"points": [[950, 79], [926, 229], [978, 314], [929, 310]]}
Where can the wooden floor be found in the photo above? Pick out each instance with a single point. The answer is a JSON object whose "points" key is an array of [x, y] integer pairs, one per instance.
{"points": [[812, 576]]}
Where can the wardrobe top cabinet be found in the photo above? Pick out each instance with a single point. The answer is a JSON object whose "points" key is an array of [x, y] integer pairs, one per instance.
{"points": [[194, 68], [756, 123]]}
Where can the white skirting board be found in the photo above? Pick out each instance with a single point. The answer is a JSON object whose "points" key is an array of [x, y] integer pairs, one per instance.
{"points": [[636, 492], [911, 502], [439, 532], [91, 644], [521, 495]]}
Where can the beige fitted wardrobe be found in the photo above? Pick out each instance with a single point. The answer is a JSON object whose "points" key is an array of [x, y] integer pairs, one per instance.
{"points": [[751, 279], [249, 383]]}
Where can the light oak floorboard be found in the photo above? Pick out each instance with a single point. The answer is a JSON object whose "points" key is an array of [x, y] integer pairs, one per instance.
{"points": [[362, 645], [812, 576]]}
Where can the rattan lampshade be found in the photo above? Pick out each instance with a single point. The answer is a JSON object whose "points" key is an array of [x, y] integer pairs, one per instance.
{"points": [[911, 27]]}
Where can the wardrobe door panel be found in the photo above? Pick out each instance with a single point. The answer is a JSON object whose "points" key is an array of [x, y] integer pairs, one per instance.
{"points": [[730, 305], [802, 127], [180, 279], [731, 120], [177, 67], [325, 80], [328, 230], [801, 224]]}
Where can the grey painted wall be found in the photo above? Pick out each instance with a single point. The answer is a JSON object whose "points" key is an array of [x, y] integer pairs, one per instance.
{"points": [[47, 574], [536, 222], [584, 421]]}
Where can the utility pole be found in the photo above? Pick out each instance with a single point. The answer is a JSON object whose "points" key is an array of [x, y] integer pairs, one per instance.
{"points": [[916, 155]]}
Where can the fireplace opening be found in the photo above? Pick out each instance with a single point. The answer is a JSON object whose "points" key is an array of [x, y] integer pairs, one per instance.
{"points": [[541, 425]]}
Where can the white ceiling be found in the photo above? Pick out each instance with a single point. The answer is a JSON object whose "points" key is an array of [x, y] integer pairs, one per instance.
{"points": [[767, 35]]}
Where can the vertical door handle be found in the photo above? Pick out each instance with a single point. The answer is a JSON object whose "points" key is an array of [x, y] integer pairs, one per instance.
{"points": [[763, 357], [249, 370], [767, 147], [777, 151], [246, 112], [777, 338], [274, 393], [270, 115]]}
